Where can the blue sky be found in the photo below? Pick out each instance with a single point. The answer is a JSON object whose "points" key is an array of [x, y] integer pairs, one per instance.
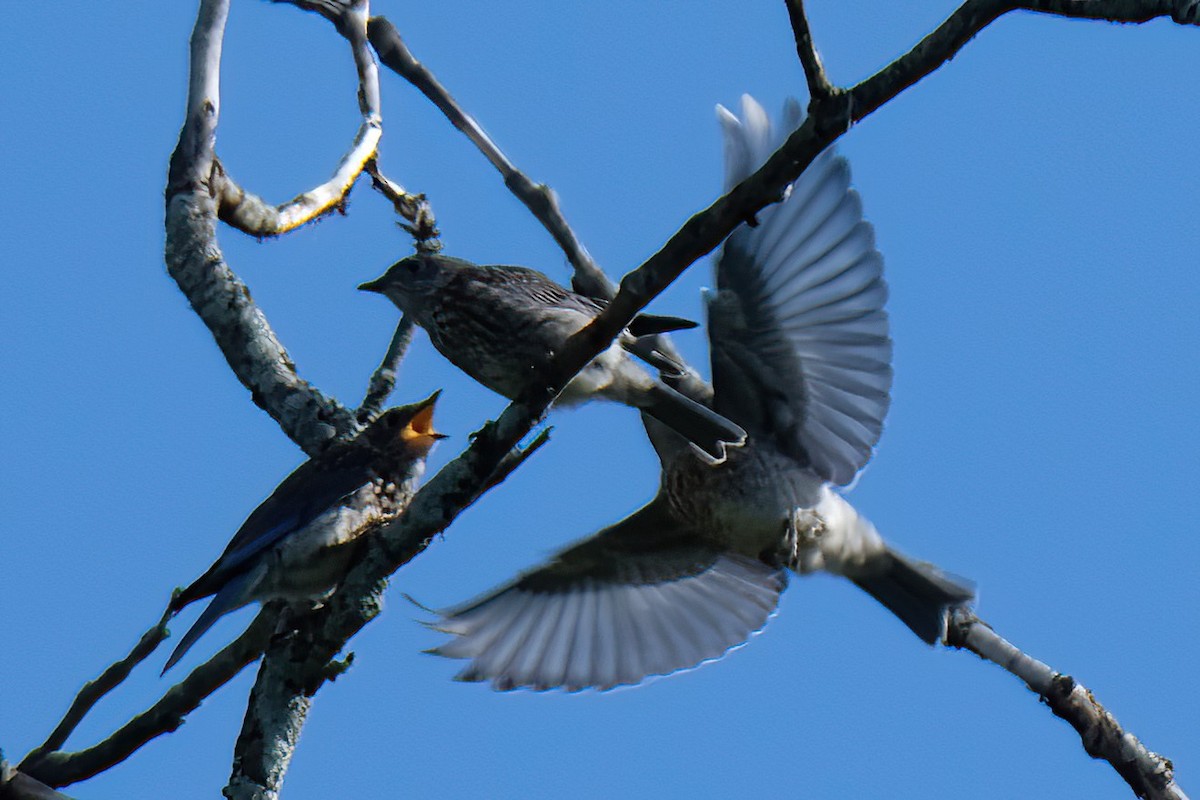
{"points": [[1035, 204]]}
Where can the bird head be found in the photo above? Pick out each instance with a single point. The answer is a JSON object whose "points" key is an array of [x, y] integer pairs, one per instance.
{"points": [[408, 428], [415, 277]]}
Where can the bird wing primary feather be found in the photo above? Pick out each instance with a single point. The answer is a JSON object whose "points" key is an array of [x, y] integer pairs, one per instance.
{"points": [[642, 597], [797, 328], [303, 496]]}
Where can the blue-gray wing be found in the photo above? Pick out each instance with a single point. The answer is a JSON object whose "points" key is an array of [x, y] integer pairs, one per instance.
{"points": [[311, 490], [798, 334], [642, 597]]}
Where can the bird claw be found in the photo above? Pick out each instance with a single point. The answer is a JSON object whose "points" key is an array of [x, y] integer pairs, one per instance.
{"points": [[801, 548]]}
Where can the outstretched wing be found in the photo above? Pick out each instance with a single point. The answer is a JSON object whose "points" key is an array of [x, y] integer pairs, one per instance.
{"points": [[798, 333], [642, 597]]}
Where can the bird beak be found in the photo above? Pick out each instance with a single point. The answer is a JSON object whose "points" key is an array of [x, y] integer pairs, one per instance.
{"points": [[374, 286], [419, 430]]}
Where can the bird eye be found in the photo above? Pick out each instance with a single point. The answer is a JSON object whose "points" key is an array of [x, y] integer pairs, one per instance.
{"points": [[412, 266]]}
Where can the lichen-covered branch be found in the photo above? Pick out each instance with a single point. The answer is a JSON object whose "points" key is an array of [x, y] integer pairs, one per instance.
{"points": [[62, 768], [281, 697], [1149, 775], [216, 294], [275, 715]]}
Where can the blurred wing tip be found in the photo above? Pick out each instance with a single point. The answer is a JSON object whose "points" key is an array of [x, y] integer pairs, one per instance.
{"points": [[421, 605]]}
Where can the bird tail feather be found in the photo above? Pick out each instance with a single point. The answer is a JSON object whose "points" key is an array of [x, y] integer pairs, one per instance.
{"points": [[917, 592], [231, 597], [709, 433]]}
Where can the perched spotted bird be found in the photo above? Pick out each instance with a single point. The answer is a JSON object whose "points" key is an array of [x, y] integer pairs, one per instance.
{"points": [[498, 323], [297, 544], [801, 359]]}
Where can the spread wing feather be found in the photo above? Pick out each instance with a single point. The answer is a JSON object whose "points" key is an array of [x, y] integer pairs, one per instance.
{"points": [[798, 333]]}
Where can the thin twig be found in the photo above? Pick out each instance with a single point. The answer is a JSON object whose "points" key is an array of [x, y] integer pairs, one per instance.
{"points": [[384, 379], [516, 457], [587, 278], [414, 208], [1149, 775], [537, 197], [973, 16], [166, 715], [93, 691], [819, 87]]}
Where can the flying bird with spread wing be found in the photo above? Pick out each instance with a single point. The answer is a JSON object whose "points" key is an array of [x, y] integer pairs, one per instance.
{"points": [[801, 359]]}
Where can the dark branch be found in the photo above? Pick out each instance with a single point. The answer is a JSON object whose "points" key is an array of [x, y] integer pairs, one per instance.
{"points": [[93, 691], [819, 87], [60, 769], [16, 785], [537, 197], [973, 16], [384, 379], [413, 208]]}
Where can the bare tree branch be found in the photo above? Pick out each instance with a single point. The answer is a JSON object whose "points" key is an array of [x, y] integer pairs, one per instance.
{"points": [[819, 87], [588, 278], [61, 768], [16, 785], [537, 197], [282, 693], [216, 294], [93, 691], [974, 15], [301, 662], [275, 715], [516, 457], [411, 207], [384, 379], [1149, 775], [253, 215]]}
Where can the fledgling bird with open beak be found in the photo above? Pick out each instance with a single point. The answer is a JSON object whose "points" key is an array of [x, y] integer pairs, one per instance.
{"points": [[498, 323], [298, 543], [801, 359]]}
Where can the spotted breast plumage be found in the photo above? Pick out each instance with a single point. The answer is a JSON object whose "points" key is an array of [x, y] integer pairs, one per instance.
{"points": [[298, 543], [500, 323]]}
